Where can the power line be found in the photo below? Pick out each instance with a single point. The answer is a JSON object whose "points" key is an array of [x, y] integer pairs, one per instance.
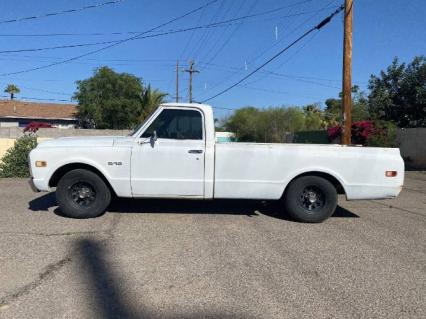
{"points": [[117, 41], [224, 23], [18, 57], [192, 35], [306, 79], [58, 47], [224, 44], [112, 45], [208, 44], [301, 47], [39, 90], [223, 108], [300, 79], [315, 13], [204, 37], [51, 14], [275, 91], [325, 7], [317, 27], [39, 99], [230, 36], [185, 48], [45, 91]]}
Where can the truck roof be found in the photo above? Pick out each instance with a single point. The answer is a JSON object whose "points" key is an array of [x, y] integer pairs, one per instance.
{"points": [[203, 107]]}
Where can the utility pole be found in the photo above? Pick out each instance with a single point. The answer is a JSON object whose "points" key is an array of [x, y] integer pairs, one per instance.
{"points": [[191, 71], [177, 81], [347, 75]]}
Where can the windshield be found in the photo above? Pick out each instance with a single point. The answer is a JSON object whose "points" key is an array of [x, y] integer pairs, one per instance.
{"points": [[137, 128]]}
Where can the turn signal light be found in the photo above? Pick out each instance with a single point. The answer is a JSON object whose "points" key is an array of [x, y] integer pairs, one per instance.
{"points": [[40, 163], [391, 173]]}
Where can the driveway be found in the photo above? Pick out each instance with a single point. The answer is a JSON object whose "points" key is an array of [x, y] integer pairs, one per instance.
{"points": [[227, 259]]}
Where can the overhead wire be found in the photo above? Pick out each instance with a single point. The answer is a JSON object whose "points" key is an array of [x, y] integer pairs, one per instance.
{"points": [[192, 35], [51, 14], [204, 37], [38, 99], [290, 14], [318, 27], [274, 73], [224, 23], [315, 13], [235, 29], [215, 36], [113, 44]]}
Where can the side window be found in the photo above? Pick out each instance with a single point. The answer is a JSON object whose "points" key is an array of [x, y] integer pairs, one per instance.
{"points": [[177, 124]]}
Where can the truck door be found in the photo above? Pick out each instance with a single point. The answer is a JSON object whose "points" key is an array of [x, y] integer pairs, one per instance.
{"points": [[168, 158]]}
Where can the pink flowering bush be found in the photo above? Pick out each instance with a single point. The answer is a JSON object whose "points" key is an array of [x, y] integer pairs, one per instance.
{"points": [[369, 133]]}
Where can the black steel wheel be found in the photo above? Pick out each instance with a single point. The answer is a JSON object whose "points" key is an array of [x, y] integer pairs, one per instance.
{"points": [[82, 194], [310, 199]]}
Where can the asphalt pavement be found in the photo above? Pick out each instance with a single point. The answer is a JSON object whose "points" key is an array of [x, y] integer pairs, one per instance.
{"points": [[225, 259]]}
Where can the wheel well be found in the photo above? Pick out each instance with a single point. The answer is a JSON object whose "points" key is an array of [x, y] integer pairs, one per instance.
{"points": [[333, 180], [60, 172]]}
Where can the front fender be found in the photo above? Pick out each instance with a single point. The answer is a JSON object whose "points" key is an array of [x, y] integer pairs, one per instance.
{"points": [[117, 176]]}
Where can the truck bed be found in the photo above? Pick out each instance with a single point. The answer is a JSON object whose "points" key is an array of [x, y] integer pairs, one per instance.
{"points": [[262, 170]]}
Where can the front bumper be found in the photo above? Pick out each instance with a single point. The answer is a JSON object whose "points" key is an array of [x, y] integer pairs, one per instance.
{"points": [[33, 187]]}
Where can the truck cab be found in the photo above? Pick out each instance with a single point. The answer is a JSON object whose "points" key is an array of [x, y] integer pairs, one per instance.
{"points": [[173, 155]]}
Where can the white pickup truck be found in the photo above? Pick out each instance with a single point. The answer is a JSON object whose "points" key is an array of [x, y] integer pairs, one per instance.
{"points": [[174, 154]]}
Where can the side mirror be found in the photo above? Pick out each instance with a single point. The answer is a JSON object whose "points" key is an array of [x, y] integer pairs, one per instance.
{"points": [[153, 138]]}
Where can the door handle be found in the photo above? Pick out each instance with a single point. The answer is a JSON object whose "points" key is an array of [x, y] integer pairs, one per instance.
{"points": [[195, 151]]}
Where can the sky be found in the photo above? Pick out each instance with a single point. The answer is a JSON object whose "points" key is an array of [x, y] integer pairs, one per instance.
{"points": [[309, 72]]}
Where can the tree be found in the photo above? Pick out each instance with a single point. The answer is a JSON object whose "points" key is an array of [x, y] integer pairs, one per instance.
{"points": [[314, 117], [12, 89], [265, 125], [114, 100], [399, 93], [150, 99], [333, 109], [243, 123]]}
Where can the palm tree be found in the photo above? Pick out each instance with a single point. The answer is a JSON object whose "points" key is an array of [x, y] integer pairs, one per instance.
{"points": [[150, 99], [12, 89]]}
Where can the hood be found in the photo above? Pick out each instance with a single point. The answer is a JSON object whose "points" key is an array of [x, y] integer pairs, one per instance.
{"points": [[86, 141]]}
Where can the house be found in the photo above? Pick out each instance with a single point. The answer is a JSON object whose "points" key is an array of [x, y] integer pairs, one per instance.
{"points": [[19, 113]]}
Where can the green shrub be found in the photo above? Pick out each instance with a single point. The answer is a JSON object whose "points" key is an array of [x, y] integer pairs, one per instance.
{"points": [[383, 135], [15, 162]]}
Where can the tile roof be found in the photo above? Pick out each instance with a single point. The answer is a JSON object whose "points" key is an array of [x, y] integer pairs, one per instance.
{"points": [[23, 109]]}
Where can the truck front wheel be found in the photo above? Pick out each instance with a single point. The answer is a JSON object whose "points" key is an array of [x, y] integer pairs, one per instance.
{"points": [[82, 194], [310, 199]]}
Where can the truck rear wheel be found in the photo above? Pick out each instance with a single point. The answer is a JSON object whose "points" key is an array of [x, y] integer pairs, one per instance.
{"points": [[310, 199], [82, 194]]}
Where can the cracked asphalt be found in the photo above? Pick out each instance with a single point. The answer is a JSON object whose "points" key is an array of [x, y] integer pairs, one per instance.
{"points": [[226, 259]]}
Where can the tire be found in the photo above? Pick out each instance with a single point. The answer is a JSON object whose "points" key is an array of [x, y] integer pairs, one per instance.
{"points": [[82, 194], [310, 199]]}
